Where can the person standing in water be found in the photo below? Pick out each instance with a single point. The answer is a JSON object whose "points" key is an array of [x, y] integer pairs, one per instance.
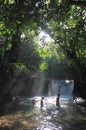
{"points": [[57, 100], [41, 103]]}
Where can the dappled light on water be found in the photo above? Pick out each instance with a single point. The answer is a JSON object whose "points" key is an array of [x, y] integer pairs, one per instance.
{"points": [[29, 115]]}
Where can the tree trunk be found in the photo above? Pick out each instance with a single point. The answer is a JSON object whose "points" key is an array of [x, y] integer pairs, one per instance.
{"points": [[14, 52]]}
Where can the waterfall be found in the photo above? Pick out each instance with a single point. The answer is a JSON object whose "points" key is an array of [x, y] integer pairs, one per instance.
{"points": [[62, 87]]}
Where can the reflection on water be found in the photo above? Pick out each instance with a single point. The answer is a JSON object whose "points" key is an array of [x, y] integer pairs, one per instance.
{"points": [[29, 116]]}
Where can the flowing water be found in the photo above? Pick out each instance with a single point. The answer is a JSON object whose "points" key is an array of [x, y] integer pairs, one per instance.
{"points": [[28, 115]]}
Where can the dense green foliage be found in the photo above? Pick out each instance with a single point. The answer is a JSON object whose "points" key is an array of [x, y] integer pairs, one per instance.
{"points": [[16, 18], [65, 23], [29, 55], [63, 20]]}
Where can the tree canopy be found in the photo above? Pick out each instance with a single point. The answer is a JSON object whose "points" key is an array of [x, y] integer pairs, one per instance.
{"points": [[63, 20]]}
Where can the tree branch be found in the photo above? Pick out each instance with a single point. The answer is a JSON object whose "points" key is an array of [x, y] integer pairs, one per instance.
{"points": [[79, 2]]}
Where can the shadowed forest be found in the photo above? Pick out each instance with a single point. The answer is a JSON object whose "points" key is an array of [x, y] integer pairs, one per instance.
{"points": [[43, 40]]}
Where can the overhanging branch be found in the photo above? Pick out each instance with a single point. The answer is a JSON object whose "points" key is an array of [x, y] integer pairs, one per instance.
{"points": [[78, 2]]}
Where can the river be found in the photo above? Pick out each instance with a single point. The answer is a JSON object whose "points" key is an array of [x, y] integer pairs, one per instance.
{"points": [[25, 115]]}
